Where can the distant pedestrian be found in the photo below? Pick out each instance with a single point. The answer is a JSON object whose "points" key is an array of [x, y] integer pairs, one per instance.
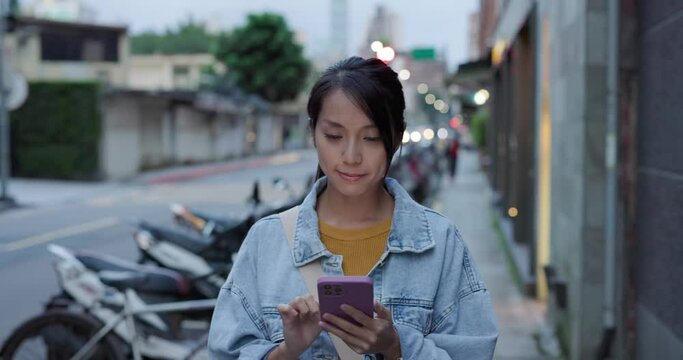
{"points": [[452, 152]]}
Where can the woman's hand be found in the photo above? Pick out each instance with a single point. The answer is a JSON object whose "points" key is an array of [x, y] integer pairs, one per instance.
{"points": [[300, 319], [373, 336]]}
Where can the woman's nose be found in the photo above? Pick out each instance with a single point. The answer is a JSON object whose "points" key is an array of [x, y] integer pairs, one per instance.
{"points": [[352, 153]]}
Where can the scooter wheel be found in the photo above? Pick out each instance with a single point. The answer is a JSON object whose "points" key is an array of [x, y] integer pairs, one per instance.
{"points": [[59, 334]]}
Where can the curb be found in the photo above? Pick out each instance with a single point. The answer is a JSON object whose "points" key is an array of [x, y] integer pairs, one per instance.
{"points": [[171, 176], [206, 171], [8, 204], [517, 255]]}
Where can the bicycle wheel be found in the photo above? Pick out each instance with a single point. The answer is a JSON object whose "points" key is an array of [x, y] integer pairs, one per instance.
{"points": [[57, 335]]}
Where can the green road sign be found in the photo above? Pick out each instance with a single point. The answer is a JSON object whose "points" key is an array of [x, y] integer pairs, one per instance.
{"points": [[424, 54]]}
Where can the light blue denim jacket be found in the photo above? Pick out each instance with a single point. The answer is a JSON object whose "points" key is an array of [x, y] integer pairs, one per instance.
{"points": [[426, 277]]}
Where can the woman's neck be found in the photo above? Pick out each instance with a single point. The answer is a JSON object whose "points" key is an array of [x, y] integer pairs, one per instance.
{"points": [[343, 211]]}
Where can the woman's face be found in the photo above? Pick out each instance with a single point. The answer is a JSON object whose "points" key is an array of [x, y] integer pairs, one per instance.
{"points": [[350, 150]]}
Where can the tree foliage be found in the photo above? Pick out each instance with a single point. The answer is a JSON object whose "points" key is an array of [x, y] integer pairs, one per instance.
{"points": [[263, 58], [189, 37], [478, 127]]}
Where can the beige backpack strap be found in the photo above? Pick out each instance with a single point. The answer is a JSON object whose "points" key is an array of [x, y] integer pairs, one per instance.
{"points": [[311, 272]]}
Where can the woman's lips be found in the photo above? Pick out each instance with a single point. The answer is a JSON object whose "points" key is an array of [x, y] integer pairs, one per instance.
{"points": [[349, 177]]}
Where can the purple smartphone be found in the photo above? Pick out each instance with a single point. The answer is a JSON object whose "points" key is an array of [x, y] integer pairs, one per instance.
{"points": [[356, 291]]}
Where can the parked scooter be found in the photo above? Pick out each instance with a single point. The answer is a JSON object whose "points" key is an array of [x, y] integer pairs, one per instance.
{"points": [[210, 225], [103, 312], [112, 309], [210, 255], [419, 169], [205, 259], [155, 247]]}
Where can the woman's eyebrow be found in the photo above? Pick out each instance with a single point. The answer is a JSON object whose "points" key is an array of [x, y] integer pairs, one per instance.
{"points": [[338, 125], [331, 123]]}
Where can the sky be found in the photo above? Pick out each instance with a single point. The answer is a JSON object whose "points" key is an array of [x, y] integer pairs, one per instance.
{"points": [[441, 24]]}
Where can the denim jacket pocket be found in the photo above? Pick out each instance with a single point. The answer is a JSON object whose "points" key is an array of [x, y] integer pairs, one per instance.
{"points": [[411, 312], [273, 322]]}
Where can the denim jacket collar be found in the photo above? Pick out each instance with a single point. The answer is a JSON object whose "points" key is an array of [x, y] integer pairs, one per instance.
{"points": [[410, 230]]}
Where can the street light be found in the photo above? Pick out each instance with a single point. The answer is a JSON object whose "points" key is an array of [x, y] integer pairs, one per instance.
{"points": [[430, 99], [406, 137], [480, 97], [376, 46], [428, 134], [422, 88], [415, 136], [404, 74], [386, 54]]}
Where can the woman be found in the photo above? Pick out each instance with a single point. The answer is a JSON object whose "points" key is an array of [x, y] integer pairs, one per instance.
{"points": [[430, 302]]}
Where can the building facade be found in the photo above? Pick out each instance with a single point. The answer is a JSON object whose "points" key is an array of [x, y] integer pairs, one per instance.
{"points": [[339, 31], [55, 50], [168, 72], [384, 26], [153, 113], [584, 149]]}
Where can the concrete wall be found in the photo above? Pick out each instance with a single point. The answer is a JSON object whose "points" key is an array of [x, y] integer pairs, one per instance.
{"points": [[142, 132], [567, 108], [229, 137], [120, 152], [578, 98], [156, 72], [578, 107], [151, 123], [25, 46], [193, 135], [660, 182], [269, 134], [149, 75], [26, 50]]}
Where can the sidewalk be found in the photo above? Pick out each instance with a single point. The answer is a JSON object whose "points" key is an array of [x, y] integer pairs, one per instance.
{"points": [[467, 202], [45, 192], [190, 172]]}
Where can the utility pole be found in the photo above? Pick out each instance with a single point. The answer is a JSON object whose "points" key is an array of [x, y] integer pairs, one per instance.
{"points": [[4, 118]]}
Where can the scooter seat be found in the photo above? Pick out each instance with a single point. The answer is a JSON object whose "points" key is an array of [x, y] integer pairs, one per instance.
{"points": [[195, 244], [123, 274]]}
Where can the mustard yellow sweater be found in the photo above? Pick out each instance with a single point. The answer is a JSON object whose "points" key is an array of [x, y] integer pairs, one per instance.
{"points": [[360, 248]]}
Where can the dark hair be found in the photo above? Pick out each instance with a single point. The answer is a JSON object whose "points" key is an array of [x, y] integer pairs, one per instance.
{"points": [[372, 86]]}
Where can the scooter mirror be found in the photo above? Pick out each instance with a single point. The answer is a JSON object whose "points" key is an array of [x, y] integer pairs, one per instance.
{"points": [[255, 194], [280, 183]]}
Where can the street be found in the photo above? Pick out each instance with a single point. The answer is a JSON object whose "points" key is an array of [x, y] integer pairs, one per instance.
{"points": [[104, 222]]}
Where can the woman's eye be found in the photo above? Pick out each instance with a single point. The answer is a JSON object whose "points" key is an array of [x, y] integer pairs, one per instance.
{"points": [[373, 138], [333, 137]]}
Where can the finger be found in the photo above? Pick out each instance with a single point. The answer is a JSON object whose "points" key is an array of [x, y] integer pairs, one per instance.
{"points": [[345, 325], [361, 317], [299, 304], [313, 306], [286, 311], [382, 312], [354, 342]]}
